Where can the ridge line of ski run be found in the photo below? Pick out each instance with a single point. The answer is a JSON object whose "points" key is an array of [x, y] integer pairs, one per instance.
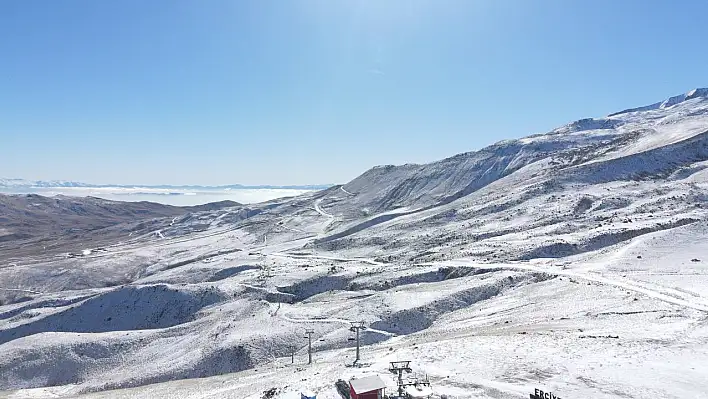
{"points": [[19, 290], [334, 320], [324, 257], [676, 298]]}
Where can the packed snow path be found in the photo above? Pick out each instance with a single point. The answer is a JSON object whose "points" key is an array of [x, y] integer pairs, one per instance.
{"points": [[334, 320], [661, 293], [320, 211], [20, 290], [324, 257]]}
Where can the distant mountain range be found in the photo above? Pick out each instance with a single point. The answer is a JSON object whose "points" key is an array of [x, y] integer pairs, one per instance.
{"points": [[22, 183]]}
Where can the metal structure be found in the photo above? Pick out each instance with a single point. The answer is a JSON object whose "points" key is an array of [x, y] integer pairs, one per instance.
{"points": [[398, 368], [309, 345], [420, 386], [356, 327]]}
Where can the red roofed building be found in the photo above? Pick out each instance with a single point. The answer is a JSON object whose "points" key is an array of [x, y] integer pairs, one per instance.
{"points": [[371, 387]]}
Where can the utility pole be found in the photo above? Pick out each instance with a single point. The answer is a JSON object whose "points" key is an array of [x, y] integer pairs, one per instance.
{"points": [[356, 326], [309, 345]]}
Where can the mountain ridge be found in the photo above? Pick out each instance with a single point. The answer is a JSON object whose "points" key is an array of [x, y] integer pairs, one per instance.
{"points": [[26, 217], [673, 100], [23, 183]]}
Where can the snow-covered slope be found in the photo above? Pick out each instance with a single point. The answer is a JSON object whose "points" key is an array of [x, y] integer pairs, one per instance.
{"points": [[658, 149], [671, 101], [571, 261]]}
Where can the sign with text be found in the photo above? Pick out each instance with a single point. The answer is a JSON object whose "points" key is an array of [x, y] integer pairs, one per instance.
{"points": [[539, 394]]}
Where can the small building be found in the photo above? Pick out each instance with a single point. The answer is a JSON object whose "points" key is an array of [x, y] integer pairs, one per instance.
{"points": [[371, 387]]}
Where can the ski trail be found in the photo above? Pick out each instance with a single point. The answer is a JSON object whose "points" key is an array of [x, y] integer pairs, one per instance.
{"points": [[390, 334], [20, 290], [330, 217], [286, 227], [218, 219], [173, 221], [333, 320], [345, 191], [315, 320], [321, 211], [128, 248], [323, 257], [254, 287], [293, 229], [678, 298]]}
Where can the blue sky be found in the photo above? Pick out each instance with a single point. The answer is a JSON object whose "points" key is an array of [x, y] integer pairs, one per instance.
{"points": [[317, 91]]}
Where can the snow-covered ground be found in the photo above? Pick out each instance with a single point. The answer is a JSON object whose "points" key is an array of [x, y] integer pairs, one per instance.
{"points": [[572, 262]]}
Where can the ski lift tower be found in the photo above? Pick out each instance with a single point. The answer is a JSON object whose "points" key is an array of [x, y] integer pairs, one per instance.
{"points": [[398, 368], [356, 326], [309, 333]]}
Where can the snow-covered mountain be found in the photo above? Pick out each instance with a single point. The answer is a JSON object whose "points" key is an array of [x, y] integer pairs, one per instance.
{"points": [[571, 261], [671, 101], [386, 187], [30, 218], [22, 183]]}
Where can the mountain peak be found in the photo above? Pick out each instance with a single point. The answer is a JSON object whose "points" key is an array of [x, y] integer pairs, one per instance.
{"points": [[695, 93], [699, 92], [669, 102]]}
